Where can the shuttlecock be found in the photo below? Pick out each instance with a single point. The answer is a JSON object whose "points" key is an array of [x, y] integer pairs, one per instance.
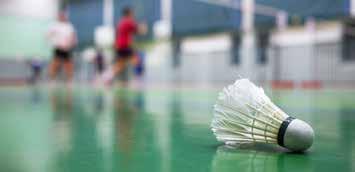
{"points": [[244, 114]]}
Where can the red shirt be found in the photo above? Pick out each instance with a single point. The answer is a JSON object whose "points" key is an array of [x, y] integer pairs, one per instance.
{"points": [[125, 30]]}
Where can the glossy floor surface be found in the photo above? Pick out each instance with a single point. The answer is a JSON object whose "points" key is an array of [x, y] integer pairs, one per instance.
{"points": [[159, 130]]}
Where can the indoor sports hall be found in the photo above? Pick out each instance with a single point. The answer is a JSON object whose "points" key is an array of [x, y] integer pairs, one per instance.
{"points": [[157, 85]]}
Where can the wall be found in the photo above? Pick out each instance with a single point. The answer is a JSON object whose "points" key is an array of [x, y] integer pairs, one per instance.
{"points": [[87, 15], [23, 27], [324, 9], [201, 60], [193, 17], [293, 55], [300, 55]]}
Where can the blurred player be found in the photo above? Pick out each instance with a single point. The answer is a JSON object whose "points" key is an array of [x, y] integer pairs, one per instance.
{"points": [[125, 30], [139, 68], [36, 69], [99, 62], [62, 36]]}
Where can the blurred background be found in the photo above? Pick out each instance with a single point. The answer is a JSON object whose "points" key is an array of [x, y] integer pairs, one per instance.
{"points": [[285, 43], [302, 53]]}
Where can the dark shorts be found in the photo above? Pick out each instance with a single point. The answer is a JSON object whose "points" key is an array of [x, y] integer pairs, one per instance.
{"points": [[124, 53], [62, 54], [100, 65]]}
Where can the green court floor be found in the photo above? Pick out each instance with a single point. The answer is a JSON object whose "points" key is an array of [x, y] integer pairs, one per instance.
{"points": [[159, 130]]}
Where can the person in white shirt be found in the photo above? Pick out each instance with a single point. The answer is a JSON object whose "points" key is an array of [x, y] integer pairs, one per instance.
{"points": [[63, 38]]}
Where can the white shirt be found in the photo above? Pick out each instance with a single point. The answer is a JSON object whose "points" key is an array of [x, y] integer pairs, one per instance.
{"points": [[62, 35]]}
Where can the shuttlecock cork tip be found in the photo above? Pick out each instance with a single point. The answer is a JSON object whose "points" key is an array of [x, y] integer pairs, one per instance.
{"points": [[295, 135]]}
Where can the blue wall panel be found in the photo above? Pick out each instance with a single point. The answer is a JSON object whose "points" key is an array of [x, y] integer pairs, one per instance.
{"points": [[194, 17], [191, 16], [86, 16], [321, 9]]}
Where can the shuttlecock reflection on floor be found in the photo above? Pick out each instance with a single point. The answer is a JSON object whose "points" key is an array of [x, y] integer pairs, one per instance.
{"points": [[259, 158]]}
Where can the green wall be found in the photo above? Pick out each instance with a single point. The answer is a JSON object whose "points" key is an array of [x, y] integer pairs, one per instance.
{"points": [[23, 37]]}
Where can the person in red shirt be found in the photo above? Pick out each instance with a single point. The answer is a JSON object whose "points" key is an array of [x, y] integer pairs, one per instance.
{"points": [[125, 31]]}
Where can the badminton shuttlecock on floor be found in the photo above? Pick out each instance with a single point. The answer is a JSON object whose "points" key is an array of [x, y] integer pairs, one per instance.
{"points": [[244, 114]]}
